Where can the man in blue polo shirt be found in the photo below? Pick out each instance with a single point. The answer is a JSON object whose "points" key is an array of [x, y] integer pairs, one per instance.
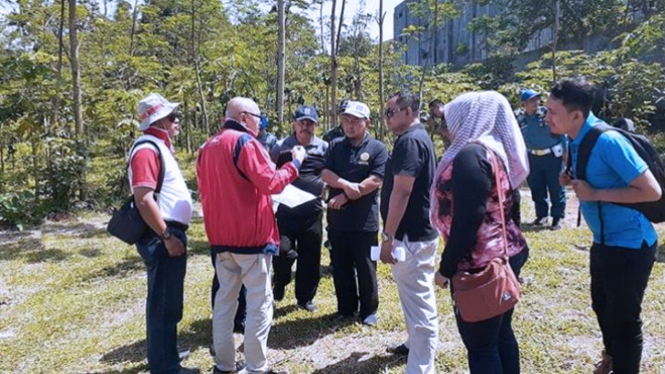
{"points": [[624, 241], [546, 159]]}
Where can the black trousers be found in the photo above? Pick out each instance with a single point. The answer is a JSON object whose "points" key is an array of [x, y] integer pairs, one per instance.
{"points": [[350, 256], [619, 277], [304, 235]]}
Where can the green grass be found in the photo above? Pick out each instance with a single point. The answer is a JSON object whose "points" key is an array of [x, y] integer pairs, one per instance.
{"points": [[72, 301]]}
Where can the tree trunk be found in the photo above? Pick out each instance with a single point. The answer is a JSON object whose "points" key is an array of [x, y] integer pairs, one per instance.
{"points": [[188, 125], [339, 28], [555, 40], [382, 99], [333, 68], [194, 55], [435, 30], [323, 44], [61, 47], [281, 55], [76, 77], [133, 31]]}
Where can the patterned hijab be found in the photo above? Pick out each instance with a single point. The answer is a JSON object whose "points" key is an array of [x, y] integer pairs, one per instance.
{"points": [[485, 118]]}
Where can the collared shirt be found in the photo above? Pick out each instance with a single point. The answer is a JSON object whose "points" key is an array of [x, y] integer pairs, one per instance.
{"points": [[536, 133], [355, 164], [267, 139], [310, 173], [613, 163], [413, 156]]}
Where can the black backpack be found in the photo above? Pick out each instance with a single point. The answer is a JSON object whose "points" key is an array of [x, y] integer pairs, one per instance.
{"points": [[654, 211]]}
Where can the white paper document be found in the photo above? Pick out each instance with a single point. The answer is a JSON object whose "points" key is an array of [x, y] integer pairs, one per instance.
{"points": [[398, 253], [292, 197]]}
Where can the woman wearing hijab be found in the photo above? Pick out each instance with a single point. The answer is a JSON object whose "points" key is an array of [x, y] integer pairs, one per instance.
{"points": [[465, 209]]}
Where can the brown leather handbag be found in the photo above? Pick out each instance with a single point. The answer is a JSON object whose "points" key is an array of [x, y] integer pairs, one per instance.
{"points": [[494, 290]]}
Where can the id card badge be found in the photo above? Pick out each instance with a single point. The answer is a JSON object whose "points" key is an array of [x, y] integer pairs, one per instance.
{"points": [[558, 150]]}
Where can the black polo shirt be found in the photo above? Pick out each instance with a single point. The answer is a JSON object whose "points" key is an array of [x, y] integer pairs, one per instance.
{"points": [[309, 178], [413, 156], [355, 164]]}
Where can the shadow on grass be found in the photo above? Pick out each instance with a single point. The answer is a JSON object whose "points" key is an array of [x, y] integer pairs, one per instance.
{"points": [[31, 250], [304, 331], [120, 269], [353, 364], [198, 335], [534, 228], [83, 230]]}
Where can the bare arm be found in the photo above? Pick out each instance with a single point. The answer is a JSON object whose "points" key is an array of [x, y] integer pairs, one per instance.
{"points": [[642, 189], [145, 202], [352, 190], [370, 184], [399, 199]]}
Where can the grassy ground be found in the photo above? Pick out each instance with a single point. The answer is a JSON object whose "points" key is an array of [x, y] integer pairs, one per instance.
{"points": [[72, 301]]}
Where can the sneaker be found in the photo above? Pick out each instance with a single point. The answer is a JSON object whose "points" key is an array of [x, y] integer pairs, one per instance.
{"points": [[240, 366], [370, 320], [183, 354], [309, 306], [604, 366], [540, 221], [239, 328], [556, 224], [400, 350]]}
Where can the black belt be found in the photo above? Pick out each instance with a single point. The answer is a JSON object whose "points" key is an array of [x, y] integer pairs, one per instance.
{"points": [[177, 225]]}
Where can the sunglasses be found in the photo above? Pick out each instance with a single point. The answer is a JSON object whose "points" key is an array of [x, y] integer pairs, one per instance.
{"points": [[389, 113], [173, 117]]}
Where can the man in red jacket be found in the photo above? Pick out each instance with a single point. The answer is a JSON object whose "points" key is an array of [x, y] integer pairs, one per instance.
{"points": [[236, 178]]}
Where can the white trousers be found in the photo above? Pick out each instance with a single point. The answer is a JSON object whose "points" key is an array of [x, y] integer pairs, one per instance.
{"points": [[234, 270], [415, 284]]}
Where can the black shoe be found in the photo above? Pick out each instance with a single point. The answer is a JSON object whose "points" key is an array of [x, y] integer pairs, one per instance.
{"points": [[400, 350], [239, 328], [189, 371], [556, 224], [240, 366], [540, 221], [340, 318], [309, 306]]}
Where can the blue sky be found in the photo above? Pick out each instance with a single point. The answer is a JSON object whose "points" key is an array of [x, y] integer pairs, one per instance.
{"points": [[371, 6]]}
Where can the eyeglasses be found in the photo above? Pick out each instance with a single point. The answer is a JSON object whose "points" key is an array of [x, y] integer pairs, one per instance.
{"points": [[173, 117], [254, 115], [389, 113]]}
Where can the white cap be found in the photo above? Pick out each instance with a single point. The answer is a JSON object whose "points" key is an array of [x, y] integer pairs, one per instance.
{"points": [[357, 109], [153, 108]]}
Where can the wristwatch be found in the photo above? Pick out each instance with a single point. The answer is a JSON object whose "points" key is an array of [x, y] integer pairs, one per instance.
{"points": [[166, 235], [387, 237]]}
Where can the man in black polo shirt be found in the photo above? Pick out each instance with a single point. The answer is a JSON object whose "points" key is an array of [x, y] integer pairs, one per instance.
{"points": [[301, 227], [354, 171], [405, 204]]}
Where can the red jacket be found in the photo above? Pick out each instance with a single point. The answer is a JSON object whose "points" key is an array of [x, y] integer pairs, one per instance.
{"points": [[236, 178]]}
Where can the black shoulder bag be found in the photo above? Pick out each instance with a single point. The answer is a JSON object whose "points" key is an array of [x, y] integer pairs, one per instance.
{"points": [[127, 223]]}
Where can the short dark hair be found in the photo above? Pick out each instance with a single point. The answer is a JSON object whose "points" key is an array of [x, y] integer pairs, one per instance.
{"points": [[575, 94], [435, 102], [407, 99]]}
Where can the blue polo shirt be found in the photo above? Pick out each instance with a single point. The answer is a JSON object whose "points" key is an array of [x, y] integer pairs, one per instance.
{"points": [[536, 133], [613, 163]]}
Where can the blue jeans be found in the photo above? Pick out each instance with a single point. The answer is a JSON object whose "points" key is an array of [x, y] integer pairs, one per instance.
{"points": [[491, 344], [166, 278], [544, 178]]}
